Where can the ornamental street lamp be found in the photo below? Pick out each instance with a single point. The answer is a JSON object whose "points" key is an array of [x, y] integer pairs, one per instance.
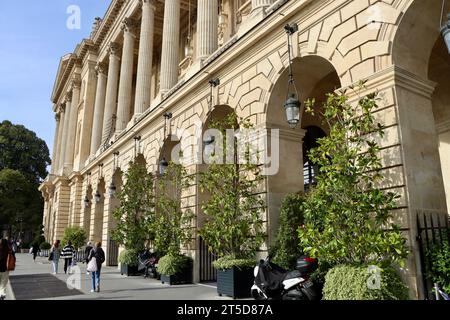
{"points": [[209, 143], [97, 196], [112, 189], [292, 104], [163, 164], [86, 202]]}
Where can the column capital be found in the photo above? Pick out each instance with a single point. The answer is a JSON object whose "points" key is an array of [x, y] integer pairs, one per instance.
{"points": [[61, 108], [129, 26], [57, 117], [114, 49], [76, 82], [68, 97], [101, 68]]}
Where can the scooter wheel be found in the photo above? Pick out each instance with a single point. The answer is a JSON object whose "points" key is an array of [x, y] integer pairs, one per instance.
{"points": [[257, 295]]}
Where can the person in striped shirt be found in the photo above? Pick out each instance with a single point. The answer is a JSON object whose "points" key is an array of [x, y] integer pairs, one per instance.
{"points": [[68, 252]]}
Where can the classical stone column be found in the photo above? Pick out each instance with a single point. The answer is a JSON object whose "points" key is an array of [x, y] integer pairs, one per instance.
{"points": [[65, 132], [55, 144], [99, 108], [207, 21], [111, 90], [145, 59], [170, 45], [71, 130], [259, 6], [126, 74]]}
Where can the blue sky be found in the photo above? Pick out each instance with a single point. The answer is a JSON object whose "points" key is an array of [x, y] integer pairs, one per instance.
{"points": [[33, 38]]}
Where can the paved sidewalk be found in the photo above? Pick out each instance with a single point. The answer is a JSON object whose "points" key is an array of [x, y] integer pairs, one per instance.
{"points": [[114, 286]]}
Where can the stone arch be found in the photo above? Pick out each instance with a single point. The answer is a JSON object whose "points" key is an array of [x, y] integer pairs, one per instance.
{"points": [[416, 36], [315, 76]]}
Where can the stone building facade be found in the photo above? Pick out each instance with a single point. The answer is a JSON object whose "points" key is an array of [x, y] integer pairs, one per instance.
{"points": [[150, 57]]}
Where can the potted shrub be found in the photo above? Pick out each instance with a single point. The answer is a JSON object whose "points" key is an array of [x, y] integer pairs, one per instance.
{"points": [[173, 226], [134, 216], [175, 269], [45, 247], [129, 262], [348, 216], [233, 224]]}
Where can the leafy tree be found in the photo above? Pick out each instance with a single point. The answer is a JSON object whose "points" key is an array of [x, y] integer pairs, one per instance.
{"points": [[135, 213], [347, 216], [173, 224], [22, 150], [20, 203], [287, 249], [233, 224], [76, 235]]}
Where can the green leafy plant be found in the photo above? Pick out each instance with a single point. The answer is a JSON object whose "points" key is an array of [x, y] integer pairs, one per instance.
{"points": [[346, 282], [129, 257], [172, 264], [233, 224], [136, 213], [287, 249], [76, 235], [173, 223], [228, 262], [45, 246], [439, 257], [347, 215]]}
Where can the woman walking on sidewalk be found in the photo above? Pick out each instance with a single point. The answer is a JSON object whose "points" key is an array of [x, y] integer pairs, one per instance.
{"points": [[98, 254], [35, 250], [68, 253], [5, 250], [55, 253]]}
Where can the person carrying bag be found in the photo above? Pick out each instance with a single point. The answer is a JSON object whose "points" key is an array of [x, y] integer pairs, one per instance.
{"points": [[96, 259], [7, 264]]}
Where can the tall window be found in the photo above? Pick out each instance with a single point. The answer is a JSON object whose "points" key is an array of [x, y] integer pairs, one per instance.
{"points": [[309, 142]]}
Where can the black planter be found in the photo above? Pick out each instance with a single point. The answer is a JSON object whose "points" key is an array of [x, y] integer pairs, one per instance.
{"points": [[180, 278], [235, 283], [128, 270]]}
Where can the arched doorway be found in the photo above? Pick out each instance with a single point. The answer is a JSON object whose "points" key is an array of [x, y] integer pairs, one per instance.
{"points": [[112, 249], [315, 77], [98, 208], [203, 266]]}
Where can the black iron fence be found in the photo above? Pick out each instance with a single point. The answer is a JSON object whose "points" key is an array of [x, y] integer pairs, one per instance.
{"points": [[433, 229], [113, 253], [207, 272]]}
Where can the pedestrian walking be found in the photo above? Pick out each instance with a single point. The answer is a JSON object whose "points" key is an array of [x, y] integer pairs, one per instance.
{"points": [[55, 254], [5, 254], [35, 249], [87, 251], [96, 259], [68, 253]]}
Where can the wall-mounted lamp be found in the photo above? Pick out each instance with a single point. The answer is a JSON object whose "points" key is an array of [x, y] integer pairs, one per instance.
{"points": [[112, 189], [445, 30], [163, 165], [87, 202], [97, 196]]}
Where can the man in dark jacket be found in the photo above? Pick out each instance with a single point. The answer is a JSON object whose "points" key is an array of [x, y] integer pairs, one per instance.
{"points": [[35, 250]]}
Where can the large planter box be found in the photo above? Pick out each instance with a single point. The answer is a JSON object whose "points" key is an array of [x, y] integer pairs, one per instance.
{"points": [[235, 283], [128, 270], [180, 278]]}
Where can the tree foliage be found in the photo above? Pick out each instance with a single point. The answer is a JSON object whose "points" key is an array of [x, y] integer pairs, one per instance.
{"points": [[233, 224], [136, 211], [173, 229], [20, 201], [347, 215], [287, 248], [76, 235], [22, 150]]}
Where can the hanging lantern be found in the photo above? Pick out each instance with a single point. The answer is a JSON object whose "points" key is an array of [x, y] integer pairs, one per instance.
{"points": [[163, 164], [86, 202], [210, 146], [292, 107], [112, 189], [445, 30], [97, 196]]}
